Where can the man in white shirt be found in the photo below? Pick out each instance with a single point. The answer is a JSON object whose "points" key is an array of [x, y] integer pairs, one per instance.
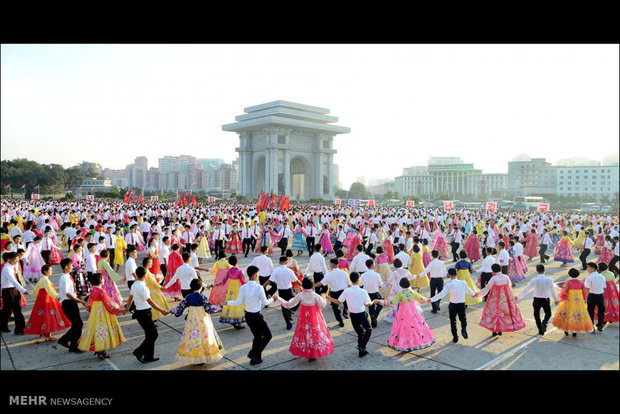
{"points": [[246, 239], [140, 298], [131, 238], [219, 237], [371, 282], [69, 302], [437, 271], [284, 278], [90, 260], [164, 253], [544, 288], [358, 264], [145, 227], [265, 267], [595, 285], [503, 257], [184, 274], [188, 238], [372, 240], [587, 246], [357, 300], [252, 295], [340, 237], [488, 242], [317, 266], [11, 298], [310, 235], [28, 236], [403, 256], [457, 237], [457, 290], [545, 242], [486, 271], [285, 234], [110, 244], [338, 281]]}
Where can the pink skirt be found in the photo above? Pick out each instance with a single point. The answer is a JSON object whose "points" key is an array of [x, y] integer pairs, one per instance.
{"points": [[311, 338], [501, 313], [410, 331]]}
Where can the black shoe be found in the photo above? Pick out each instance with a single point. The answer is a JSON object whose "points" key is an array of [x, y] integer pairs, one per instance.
{"points": [[63, 343], [341, 324], [150, 360], [600, 328], [373, 322], [288, 326], [464, 333], [345, 315], [499, 333], [544, 328], [237, 326], [566, 333], [541, 332], [312, 360], [434, 311], [363, 353], [574, 334], [255, 361], [138, 356], [76, 350], [455, 339], [495, 333]]}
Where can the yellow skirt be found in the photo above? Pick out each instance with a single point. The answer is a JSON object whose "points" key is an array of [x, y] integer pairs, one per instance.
{"points": [[232, 314], [102, 330], [161, 301], [463, 274], [420, 282], [200, 342], [572, 314], [203, 248], [119, 257]]}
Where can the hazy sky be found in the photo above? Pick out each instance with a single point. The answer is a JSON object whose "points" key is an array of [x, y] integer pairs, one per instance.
{"points": [[404, 103]]}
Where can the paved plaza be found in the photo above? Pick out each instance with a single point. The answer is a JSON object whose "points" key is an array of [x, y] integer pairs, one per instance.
{"points": [[523, 350]]}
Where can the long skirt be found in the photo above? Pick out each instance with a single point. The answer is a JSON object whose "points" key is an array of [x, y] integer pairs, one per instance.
{"points": [[311, 338], [200, 342]]}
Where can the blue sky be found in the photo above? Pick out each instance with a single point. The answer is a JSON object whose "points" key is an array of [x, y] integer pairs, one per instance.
{"points": [[404, 103]]}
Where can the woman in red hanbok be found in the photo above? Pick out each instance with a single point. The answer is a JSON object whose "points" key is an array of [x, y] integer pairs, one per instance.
{"points": [[531, 245], [46, 316], [472, 247], [311, 338], [500, 313], [174, 261], [234, 245]]}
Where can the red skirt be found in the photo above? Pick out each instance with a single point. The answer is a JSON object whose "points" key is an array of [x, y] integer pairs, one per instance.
{"points": [[311, 338], [55, 257], [46, 316], [218, 293], [155, 268], [612, 313], [501, 313]]}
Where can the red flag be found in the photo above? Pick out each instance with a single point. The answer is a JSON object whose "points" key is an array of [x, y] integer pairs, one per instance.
{"points": [[273, 200], [194, 202], [36, 188], [23, 186], [7, 186]]}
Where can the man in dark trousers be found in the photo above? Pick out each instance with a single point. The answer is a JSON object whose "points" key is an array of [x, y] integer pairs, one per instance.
{"points": [[595, 285], [457, 289], [543, 289], [69, 302], [587, 248], [284, 278], [252, 295], [11, 298], [141, 295]]}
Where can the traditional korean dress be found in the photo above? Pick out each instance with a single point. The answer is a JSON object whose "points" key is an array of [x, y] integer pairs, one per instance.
{"points": [[472, 247], [388, 249], [326, 243], [119, 252], [606, 255], [572, 313], [581, 237], [531, 246], [265, 240], [200, 342], [393, 284], [463, 272], [426, 255], [501, 313], [311, 338], [441, 246], [299, 241], [415, 268], [203, 248], [515, 267], [562, 252], [233, 315], [599, 244], [351, 246], [174, 261], [155, 268], [78, 274], [103, 331], [109, 278], [294, 266], [409, 330], [156, 295], [33, 261], [611, 298], [234, 245], [46, 316]]}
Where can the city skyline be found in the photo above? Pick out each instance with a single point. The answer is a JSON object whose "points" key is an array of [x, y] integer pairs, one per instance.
{"points": [[64, 104]]}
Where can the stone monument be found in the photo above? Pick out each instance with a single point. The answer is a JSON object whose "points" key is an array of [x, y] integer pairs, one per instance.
{"points": [[286, 147]]}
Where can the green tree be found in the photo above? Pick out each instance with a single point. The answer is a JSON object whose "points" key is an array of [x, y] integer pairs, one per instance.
{"points": [[357, 190]]}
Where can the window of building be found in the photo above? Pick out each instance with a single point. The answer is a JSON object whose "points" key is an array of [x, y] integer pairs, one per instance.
{"points": [[325, 144], [281, 139]]}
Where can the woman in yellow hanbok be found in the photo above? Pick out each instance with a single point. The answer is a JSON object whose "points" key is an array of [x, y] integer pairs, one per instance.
{"points": [[20, 222], [572, 313], [234, 315], [200, 343], [416, 267], [155, 289], [103, 331], [119, 252], [203, 245], [581, 237], [219, 269]]}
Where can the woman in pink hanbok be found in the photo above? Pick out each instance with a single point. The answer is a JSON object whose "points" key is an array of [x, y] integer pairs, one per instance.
{"points": [[325, 242], [600, 242], [607, 252], [351, 246], [531, 245], [33, 260], [472, 247], [440, 244], [516, 272]]}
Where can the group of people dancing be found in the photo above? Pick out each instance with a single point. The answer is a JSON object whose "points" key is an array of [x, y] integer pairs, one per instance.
{"points": [[382, 258]]}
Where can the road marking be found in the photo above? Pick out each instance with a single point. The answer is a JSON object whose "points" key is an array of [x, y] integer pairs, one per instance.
{"points": [[110, 363], [512, 350]]}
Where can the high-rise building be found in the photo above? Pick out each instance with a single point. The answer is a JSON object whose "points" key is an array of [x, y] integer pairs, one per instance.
{"points": [[595, 181], [336, 177], [533, 177], [136, 173]]}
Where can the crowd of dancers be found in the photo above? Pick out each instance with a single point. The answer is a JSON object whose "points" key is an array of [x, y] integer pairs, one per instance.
{"points": [[361, 260]]}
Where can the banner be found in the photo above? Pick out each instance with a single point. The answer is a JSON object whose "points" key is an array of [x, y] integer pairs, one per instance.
{"points": [[337, 201], [34, 196], [371, 203], [353, 202], [410, 203], [90, 197], [447, 205], [154, 198], [491, 206], [543, 207], [211, 199]]}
